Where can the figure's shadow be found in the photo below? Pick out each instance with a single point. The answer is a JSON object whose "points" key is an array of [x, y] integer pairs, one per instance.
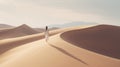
{"points": [[67, 53]]}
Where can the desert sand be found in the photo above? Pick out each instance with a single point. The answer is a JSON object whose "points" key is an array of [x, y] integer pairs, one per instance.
{"points": [[57, 52]]}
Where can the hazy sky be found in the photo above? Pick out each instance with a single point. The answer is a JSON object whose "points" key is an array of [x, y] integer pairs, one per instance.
{"points": [[45, 12]]}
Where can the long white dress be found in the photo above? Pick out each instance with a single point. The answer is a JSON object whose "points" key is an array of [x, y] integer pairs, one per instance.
{"points": [[46, 35]]}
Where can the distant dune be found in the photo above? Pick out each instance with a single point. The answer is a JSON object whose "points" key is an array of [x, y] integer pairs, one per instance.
{"points": [[5, 26], [72, 24], [39, 29], [17, 32], [103, 39], [54, 28]]}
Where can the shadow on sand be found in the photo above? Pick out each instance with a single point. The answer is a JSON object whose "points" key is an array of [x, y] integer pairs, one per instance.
{"points": [[67, 53]]}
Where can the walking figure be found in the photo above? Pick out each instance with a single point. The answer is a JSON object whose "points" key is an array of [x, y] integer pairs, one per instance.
{"points": [[46, 33]]}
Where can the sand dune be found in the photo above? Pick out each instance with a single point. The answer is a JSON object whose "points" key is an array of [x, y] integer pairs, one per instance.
{"points": [[5, 26], [39, 29], [55, 53], [17, 32], [103, 39]]}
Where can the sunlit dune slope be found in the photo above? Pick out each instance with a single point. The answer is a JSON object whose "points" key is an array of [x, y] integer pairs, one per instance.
{"points": [[103, 39]]}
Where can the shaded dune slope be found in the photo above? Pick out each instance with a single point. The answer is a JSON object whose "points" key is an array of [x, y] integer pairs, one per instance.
{"points": [[103, 39], [17, 32]]}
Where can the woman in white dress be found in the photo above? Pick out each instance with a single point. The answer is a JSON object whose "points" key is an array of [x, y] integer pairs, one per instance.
{"points": [[46, 33]]}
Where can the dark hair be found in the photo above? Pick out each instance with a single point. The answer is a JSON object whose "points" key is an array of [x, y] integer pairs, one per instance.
{"points": [[46, 27]]}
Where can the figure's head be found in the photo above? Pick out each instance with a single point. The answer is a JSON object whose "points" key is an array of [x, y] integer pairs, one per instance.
{"points": [[46, 27]]}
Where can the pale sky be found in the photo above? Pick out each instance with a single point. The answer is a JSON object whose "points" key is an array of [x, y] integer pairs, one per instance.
{"points": [[39, 13]]}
